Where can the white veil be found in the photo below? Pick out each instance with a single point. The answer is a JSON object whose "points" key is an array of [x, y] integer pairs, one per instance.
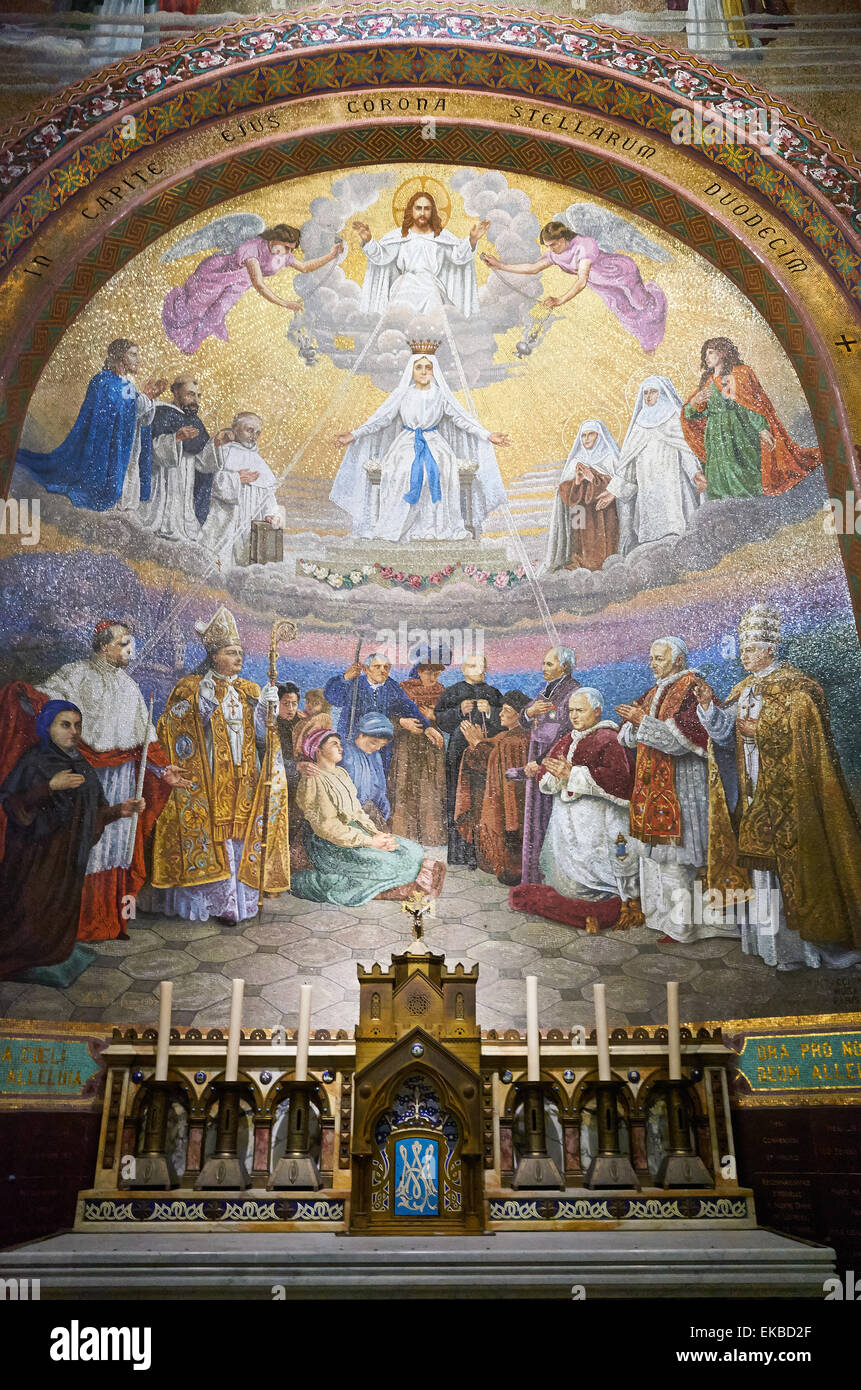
{"points": [[604, 454], [668, 404], [461, 431]]}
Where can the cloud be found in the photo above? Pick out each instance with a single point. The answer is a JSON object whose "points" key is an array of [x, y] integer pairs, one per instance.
{"points": [[332, 312]]}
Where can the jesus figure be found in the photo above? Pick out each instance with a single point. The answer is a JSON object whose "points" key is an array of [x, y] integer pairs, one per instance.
{"points": [[420, 264]]}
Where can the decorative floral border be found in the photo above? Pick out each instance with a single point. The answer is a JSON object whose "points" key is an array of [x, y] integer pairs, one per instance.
{"points": [[390, 575], [525, 54]]}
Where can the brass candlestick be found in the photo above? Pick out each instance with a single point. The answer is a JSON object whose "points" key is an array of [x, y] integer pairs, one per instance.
{"points": [[153, 1168], [225, 1168], [680, 1166], [535, 1167], [297, 1168], [609, 1167]]}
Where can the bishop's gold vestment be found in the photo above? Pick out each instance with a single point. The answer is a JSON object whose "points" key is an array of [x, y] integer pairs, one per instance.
{"points": [[801, 823], [225, 801]]}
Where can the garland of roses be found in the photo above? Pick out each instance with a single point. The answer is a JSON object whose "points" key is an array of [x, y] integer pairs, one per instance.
{"points": [[354, 579]]}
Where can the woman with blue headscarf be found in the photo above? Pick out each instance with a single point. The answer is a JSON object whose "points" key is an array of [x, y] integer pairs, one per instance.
{"points": [[53, 811]]}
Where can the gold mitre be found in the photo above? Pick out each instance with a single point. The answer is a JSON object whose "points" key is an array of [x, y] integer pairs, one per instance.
{"points": [[220, 631], [761, 623], [424, 347]]}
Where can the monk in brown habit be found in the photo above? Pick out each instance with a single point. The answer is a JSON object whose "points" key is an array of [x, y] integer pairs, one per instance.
{"points": [[489, 806], [417, 773], [53, 811]]}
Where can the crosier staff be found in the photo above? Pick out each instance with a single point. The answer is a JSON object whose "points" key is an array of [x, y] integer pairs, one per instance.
{"points": [[133, 819], [283, 630]]}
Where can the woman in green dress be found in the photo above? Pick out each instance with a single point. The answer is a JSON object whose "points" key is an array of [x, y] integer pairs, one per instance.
{"points": [[733, 428], [352, 861]]}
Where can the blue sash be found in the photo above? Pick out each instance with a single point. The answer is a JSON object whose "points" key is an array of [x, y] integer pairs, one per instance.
{"points": [[423, 463]]}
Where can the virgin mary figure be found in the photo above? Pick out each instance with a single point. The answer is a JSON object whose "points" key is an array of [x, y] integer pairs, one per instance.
{"points": [[421, 437]]}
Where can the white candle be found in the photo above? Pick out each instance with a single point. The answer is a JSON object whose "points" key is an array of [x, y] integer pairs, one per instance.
{"points": [[533, 1037], [166, 993], [304, 1032], [674, 1042], [601, 1035], [231, 1070]]}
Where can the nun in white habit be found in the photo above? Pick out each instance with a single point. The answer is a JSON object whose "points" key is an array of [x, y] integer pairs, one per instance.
{"points": [[419, 435], [580, 536], [656, 460]]}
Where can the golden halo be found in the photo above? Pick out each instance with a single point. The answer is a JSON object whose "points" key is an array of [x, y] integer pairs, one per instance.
{"points": [[424, 184]]}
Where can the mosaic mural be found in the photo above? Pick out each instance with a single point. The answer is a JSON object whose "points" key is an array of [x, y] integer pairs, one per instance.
{"points": [[420, 505]]}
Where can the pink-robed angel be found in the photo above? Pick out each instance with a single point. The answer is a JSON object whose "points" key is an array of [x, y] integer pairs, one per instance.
{"points": [[247, 253], [640, 308]]}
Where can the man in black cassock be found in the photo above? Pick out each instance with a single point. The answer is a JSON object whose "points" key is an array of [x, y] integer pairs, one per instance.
{"points": [[183, 464], [473, 701]]}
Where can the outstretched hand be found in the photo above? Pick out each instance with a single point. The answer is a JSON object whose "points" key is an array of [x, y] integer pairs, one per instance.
{"points": [[342, 440], [478, 230], [363, 230], [500, 440]]}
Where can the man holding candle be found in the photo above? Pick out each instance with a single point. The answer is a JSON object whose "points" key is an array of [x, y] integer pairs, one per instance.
{"points": [[669, 802]]}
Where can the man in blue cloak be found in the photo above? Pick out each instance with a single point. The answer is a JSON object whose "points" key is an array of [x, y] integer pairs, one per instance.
{"points": [[105, 459], [369, 689]]}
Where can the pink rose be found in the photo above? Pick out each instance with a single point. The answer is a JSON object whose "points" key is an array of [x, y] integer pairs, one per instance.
{"points": [[434, 579], [415, 581], [482, 576], [386, 571], [470, 570], [448, 569], [520, 571], [398, 577], [500, 581]]}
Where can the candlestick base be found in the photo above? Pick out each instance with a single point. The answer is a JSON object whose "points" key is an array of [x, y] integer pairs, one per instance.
{"points": [[680, 1165], [153, 1169], [610, 1167], [297, 1169], [225, 1169], [535, 1167]]}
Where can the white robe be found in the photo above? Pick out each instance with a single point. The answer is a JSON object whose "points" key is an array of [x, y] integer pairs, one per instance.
{"points": [[234, 505], [657, 461], [113, 716], [764, 931], [423, 271], [578, 857], [388, 438], [170, 510], [424, 520], [131, 494]]}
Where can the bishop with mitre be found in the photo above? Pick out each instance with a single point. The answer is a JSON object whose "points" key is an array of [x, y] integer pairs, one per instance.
{"points": [[208, 843]]}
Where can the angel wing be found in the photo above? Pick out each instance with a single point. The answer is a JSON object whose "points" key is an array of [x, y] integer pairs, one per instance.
{"points": [[612, 233], [224, 234]]}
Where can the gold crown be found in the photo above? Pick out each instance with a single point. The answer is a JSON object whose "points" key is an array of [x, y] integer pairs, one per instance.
{"points": [[425, 347]]}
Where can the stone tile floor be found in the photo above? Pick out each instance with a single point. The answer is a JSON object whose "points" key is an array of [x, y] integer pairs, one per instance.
{"points": [[299, 942]]}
